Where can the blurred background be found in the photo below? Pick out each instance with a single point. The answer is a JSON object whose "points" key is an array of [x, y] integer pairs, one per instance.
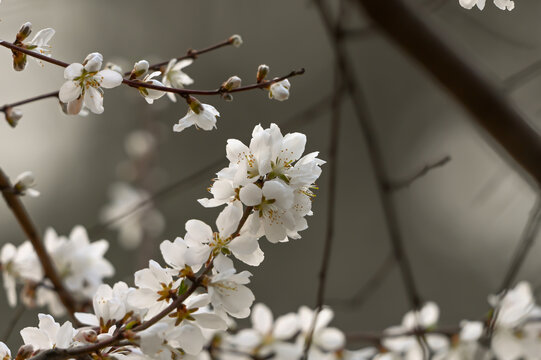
{"points": [[460, 222]]}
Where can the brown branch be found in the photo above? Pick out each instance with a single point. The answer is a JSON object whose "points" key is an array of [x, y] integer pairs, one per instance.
{"points": [[411, 28], [141, 84], [369, 286], [27, 225], [401, 184]]}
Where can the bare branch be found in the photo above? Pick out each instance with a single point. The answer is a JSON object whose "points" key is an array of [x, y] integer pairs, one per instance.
{"points": [[401, 184]]}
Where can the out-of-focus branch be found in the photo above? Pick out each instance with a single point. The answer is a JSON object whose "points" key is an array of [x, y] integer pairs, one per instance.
{"points": [[410, 27], [376, 159], [27, 225], [527, 240], [370, 286], [401, 184]]}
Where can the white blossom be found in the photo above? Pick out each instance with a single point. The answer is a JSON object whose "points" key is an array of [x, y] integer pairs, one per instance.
{"points": [[49, 334], [85, 82], [226, 288], [205, 118], [174, 77], [151, 94], [280, 90], [155, 289]]}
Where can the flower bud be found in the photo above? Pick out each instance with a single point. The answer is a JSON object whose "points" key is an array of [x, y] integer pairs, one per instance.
{"points": [[235, 40], [114, 67], [262, 72], [13, 116], [25, 352], [232, 83], [280, 90], [19, 60], [24, 184], [227, 97], [73, 107], [139, 69], [24, 31], [93, 62], [195, 105], [86, 336]]}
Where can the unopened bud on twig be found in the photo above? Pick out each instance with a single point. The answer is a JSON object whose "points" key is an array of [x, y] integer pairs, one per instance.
{"points": [[24, 184], [262, 72], [114, 67], [13, 116], [93, 62], [19, 60], [232, 83], [235, 40], [227, 97], [24, 352], [24, 31], [194, 104], [86, 336], [139, 69]]}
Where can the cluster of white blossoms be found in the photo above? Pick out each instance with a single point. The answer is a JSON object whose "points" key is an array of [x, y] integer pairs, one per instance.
{"points": [[501, 4], [80, 264], [271, 177], [177, 310]]}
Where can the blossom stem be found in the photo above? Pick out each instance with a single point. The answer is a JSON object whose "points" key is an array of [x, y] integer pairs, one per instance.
{"points": [[27, 225], [139, 84]]}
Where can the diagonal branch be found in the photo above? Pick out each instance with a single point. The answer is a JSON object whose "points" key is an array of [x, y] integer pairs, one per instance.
{"points": [[409, 27], [27, 225]]}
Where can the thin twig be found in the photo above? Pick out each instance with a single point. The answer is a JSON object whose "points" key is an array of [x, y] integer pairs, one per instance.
{"points": [[27, 225], [334, 138], [369, 287], [17, 314], [401, 184], [528, 237], [375, 156]]}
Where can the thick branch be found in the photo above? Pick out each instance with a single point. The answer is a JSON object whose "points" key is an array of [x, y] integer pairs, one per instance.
{"points": [[410, 27], [18, 209]]}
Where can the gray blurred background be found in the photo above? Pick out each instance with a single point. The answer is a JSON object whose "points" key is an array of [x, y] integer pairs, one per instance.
{"points": [[460, 222]]}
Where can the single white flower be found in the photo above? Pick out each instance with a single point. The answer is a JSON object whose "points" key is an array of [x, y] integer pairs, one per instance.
{"points": [[236, 40], [174, 77], [151, 94], [468, 4], [505, 4], [49, 334], [203, 117], [5, 353], [155, 289], [40, 43], [109, 306], [85, 83], [280, 90], [226, 288], [202, 241]]}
